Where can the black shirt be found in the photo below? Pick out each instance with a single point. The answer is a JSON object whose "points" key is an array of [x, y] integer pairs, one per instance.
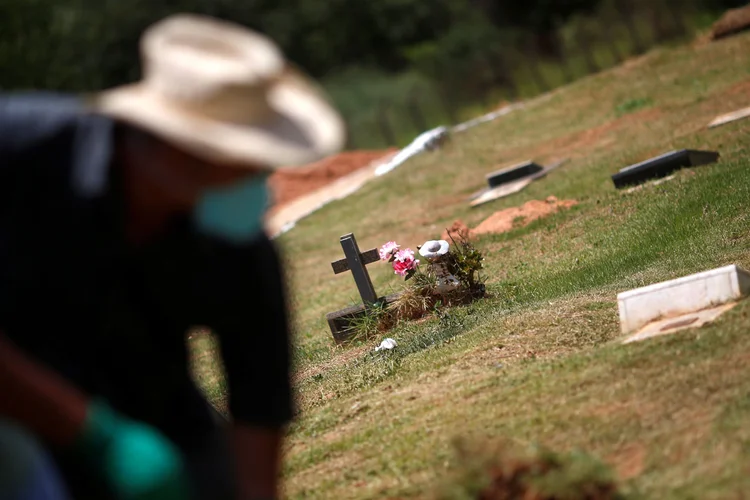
{"points": [[113, 319]]}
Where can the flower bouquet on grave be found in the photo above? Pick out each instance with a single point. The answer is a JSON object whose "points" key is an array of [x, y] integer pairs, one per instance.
{"points": [[450, 278], [451, 267], [452, 273], [403, 261], [417, 297]]}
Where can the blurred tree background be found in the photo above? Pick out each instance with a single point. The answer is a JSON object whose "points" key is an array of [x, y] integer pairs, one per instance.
{"points": [[394, 67]]}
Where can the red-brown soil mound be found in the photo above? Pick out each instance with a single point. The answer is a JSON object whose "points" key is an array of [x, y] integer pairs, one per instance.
{"points": [[288, 185]]}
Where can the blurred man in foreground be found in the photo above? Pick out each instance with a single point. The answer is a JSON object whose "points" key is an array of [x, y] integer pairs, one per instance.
{"points": [[126, 219]]}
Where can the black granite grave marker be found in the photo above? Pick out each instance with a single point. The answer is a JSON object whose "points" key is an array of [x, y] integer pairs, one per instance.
{"points": [[662, 166], [513, 173], [511, 180]]}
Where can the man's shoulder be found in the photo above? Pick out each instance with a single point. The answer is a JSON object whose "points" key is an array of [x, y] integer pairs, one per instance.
{"points": [[55, 133], [38, 101], [27, 118]]}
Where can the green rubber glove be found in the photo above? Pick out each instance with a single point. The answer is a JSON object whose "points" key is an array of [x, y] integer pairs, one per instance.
{"points": [[134, 459]]}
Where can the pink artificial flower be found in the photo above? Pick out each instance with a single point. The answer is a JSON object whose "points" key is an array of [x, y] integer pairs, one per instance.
{"points": [[400, 268], [387, 250], [404, 262], [405, 255]]}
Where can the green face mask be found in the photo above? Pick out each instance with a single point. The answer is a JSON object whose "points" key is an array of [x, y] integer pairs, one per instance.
{"points": [[233, 213]]}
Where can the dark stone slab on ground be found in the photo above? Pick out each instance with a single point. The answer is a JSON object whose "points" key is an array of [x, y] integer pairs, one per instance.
{"points": [[662, 166], [488, 194], [340, 321], [513, 173]]}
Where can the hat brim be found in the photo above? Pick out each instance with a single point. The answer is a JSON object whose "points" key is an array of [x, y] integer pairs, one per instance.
{"points": [[303, 127]]}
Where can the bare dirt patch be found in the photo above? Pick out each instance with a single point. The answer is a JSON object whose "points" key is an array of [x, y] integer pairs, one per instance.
{"points": [[740, 88], [457, 231], [584, 142], [510, 218], [603, 134], [288, 185], [629, 461], [732, 22], [505, 220]]}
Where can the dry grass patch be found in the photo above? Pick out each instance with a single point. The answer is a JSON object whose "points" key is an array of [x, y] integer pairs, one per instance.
{"points": [[671, 414]]}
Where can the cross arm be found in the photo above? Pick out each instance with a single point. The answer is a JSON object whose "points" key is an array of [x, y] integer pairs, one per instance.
{"points": [[368, 257]]}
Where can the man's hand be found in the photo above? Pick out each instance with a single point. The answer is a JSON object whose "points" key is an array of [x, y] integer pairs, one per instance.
{"points": [[135, 460], [258, 454]]}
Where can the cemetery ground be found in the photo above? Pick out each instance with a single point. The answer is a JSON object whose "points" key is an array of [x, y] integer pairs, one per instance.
{"points": [[539, 360]]}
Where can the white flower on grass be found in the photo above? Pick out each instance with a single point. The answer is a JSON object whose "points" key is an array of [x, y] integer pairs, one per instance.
{"points": [[386, 344]]}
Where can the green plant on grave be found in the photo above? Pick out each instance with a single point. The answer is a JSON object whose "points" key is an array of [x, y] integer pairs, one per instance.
{"points": [[375, 319], [465, 262], [415, 301]]}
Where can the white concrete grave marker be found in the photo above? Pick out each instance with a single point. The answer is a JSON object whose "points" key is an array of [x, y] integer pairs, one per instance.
{"points": [[686, 302], [720, 120]]}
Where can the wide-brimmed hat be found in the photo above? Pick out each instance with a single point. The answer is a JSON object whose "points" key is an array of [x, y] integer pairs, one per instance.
{"points": [[226, 94]]}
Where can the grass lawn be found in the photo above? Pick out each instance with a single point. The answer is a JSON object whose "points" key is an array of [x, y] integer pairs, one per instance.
{"points": [[539, 360]]}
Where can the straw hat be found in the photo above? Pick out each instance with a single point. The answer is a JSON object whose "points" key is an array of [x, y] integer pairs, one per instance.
{"points": [[225, 94]]}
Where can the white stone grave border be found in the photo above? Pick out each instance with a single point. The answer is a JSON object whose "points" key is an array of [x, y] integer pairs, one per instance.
{"points": [[689, 294]]}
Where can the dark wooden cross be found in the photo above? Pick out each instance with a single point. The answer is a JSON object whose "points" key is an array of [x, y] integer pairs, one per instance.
{"points": [[355, 261], [340, 322]]}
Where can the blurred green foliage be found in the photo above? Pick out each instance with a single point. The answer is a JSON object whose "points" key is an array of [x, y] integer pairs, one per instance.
{"points": [[392, 66]]}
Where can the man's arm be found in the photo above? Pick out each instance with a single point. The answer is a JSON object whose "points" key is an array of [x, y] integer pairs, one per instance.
{"points": [[258, 456], [38, 398], [28, 117], [135, 460], [33, 394], [245, 292]]}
